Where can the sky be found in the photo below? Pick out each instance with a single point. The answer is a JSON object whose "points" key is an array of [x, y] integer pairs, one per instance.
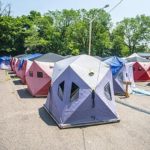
{"points": [[128, 8]]}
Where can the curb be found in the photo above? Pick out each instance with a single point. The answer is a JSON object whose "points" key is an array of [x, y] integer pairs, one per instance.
{"points": [[133, 107]]}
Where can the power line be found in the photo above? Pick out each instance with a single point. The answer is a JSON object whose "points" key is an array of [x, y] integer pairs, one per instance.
{"points": [[116, 5]]}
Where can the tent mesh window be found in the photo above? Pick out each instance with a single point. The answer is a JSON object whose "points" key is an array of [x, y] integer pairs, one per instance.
{"points": [[120, 76], [107, 91], [40, 74], [31, 73], [61, 90], [74, 95]]}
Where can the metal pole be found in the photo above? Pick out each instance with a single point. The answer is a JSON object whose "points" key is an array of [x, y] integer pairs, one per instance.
{"points": [[90, 30], [90, 37]]}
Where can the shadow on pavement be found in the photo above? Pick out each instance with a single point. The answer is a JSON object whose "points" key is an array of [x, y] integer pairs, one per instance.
{"points": [[46, 117], [23, 93], [14, 76], [17, 82], [148, 84], [11, 72]]}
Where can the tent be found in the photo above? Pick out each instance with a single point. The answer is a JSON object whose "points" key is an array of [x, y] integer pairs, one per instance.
{"points": [[81, 93], [136, 58], [141, 67], [5, 62], [24, 64], [122, 72], [145, 55], [38, 76], [19, 64], [14, 62], [98, 57], [141, 71]]}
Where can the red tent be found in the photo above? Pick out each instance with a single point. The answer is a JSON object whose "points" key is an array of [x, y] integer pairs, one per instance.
{"points": [[141, 67], [14, 62], [26, 65], [38, 76], [141, 71], [16, 67]]}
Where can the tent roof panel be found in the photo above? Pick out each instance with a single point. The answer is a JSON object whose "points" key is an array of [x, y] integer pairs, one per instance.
{"points": [[50, 57]]}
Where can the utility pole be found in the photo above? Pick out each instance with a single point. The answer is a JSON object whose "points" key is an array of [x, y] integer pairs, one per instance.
{"points": [[90, 29]]}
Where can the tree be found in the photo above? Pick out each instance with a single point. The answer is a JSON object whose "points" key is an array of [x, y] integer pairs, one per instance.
{"points": [[5, 10], [119, 47], [136, 31], [66, 32]]}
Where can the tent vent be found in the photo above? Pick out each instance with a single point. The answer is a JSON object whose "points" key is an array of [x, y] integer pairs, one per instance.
{"points": [[61, 90], [40, 74], [107, 91], [31, 73], [91, 73], [74, 92], [140, 69]]}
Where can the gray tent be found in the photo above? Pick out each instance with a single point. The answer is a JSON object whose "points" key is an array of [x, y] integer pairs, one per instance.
{"points": [[136, 58], [50, 57], [81, 93]]}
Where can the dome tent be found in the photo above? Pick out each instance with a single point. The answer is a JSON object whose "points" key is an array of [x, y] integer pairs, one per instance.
{"points": [[136, 58], [121, 72], [24, 64], [5, 62], [15, 62], [141, 67], [80, 93], [38, 76]]}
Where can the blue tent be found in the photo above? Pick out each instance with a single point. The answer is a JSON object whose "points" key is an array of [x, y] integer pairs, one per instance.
{"points": [[79, 96], [27, 57], [115, 63], [121, 72], [5, 62]]}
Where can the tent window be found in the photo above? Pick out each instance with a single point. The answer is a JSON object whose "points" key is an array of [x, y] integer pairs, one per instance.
{"points": [[107, 91], [74, 92], [61, 90], [139, 69], [133, 68], [40, 74], [120, 76], [31, 73], [51, 67]]}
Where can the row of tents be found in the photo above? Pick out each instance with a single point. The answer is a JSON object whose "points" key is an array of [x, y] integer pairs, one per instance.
{"points": [[80, 88]]}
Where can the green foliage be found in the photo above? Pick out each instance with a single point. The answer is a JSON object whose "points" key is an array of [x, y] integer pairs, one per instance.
{"points": [[66, 32], [136, 32]]}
